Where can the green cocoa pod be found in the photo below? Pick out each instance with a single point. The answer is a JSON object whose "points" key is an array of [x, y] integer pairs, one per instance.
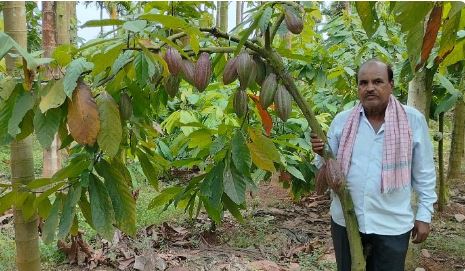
{"points": [[125, 106], [240, 103], [173, 60], [283, 102], [202, 72], [171, 84], [230, 71], [293, 21], [246, 70], [261, 70], [188, 69], [268, 90]]}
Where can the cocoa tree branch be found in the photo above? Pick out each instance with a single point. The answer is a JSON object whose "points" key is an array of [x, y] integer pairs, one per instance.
{"points": [[217, 33], [276, 27]]}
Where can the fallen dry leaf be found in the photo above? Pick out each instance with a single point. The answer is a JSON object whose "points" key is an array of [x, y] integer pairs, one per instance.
{"points": [[459, 217], [425, 253]]}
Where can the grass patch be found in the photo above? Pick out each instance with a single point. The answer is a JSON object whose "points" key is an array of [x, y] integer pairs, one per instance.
{"points": [[450, 244], [313, 262], [37, 153]]}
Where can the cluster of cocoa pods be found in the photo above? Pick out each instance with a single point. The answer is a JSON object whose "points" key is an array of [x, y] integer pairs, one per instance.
{"points": [[197, 74]]}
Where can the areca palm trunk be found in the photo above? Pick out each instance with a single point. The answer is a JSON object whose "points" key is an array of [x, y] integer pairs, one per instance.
{"points": [[22, 164]]}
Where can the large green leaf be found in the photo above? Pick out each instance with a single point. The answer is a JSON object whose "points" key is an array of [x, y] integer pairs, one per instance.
{"points": [[457, 54], [212, 189], [247, 32], [111, 132], [150, 172], [448, 85], [142, 68], [200, 139], [449, 35], [6, 111], [53, 95], [165, 196], [367, 13], [262, 150], [7, 43], [171, 22], [233, 208], [103, 215], [69, 211], [106, 57], [240, 153], [23, 104], [46, 125], [7, 201], [7, 85], [446, 103], [28, 207], [234, 183], [123, 203], [51, 222], [75, 167], [410, 14], [135, 26], [122, 60], [63, 54], [73, 72], [103, 22]]}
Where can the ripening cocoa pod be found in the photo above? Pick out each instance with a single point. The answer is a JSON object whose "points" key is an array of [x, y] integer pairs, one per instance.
{"points": [[125, 106], [173, 60], [188, 68], [283, 102], [261, 70], [321, 184], [171, 84], [268, 90], [202, 72], [333, 174], [246, 70], [230, 71], [293, 21], [240, 103]]}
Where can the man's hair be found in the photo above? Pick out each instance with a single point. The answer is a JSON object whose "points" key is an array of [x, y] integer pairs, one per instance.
{"points": [[388, 66]]}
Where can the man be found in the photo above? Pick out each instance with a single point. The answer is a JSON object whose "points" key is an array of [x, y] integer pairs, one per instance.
{"points": [[384, 150]]}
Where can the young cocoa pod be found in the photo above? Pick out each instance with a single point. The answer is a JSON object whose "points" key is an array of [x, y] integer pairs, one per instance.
{"points": [[173, 60], [230, 71], [171, 84], [246, 70], [202, 72], [293, 21], [125, 106], [268, 90], [187, 69], [261, 70], [283, 102], [240, 103]]}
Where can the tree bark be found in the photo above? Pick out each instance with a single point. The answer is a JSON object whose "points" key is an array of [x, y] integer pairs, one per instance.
{"points": [[420, 90], [239, 10], [457, 143], [223, 16], [442, 184], [62, 22], [73, 21], [21, 161]]}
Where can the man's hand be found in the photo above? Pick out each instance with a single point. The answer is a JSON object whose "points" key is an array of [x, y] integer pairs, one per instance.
{"points": [[317, 144], [420, 231]]}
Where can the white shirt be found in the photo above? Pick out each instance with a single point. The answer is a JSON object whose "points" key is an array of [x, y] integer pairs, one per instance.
{"points": [[385, 213]]}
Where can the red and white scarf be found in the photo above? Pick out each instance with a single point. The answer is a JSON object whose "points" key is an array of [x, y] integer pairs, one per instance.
{"points": [[397, 148]]}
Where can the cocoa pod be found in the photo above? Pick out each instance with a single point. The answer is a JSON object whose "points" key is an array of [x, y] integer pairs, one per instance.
{"points": [[173, 60], [293, 21], [330, 174], [268, 90], [246, 70], [321, 184], [230, 71], [240, 103], [283, 102], [171, 84], [188, 68], [202, 72], [261, 70], [125, 106]]}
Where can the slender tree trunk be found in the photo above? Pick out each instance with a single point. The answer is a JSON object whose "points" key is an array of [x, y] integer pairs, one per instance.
{"points": [[442, 184], [223, 16], [419, 96], [73, 22], [62, 22], [457, 143], [239, 11], [21, 161]]}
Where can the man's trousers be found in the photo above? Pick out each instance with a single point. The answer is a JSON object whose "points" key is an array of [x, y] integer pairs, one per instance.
{"points": [[383, 252]]}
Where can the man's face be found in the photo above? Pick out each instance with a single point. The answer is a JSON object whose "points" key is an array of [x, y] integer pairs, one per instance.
{"points": [[374, 87]]}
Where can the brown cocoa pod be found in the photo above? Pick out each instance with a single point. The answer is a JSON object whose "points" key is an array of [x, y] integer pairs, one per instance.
{"points": [[188, 69], [321, 184], [202, 72], [268, 90], [173, 60], [246, 70], [283, 102], [230, 71], [171, 84], [333, 174], [240, 103], [125, 106], [261, 70], [293, 21]]}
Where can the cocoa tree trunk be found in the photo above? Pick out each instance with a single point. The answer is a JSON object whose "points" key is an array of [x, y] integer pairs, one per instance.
{"points": [[223, 16], [457, 143], [442, 185], [239, 10], [21, 159], [420, 90]]}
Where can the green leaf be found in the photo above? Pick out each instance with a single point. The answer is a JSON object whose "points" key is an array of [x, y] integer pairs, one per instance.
{"points": [[7, 201], [457, 54], [172, 22], [69, 211], [53, 95], [449, 35], [410, 14], [263, 151], [63, 54], [73, 72], [75, 167], [6, 111], [367, 13], [123, 203], [212, 189], [200, 139], [265, 20], [51, 222], [246, 33], [103, 22], [106, 57], [445, 104], [103, 215], [135, 26], [46, 125], [28, 207], [448, 85], [295, 172], [240, 153], [414, 44], [234, 183], [147, 167], [142, 68], [7, 85], [111, 133], [44, 208], [84, 205], [122, 60], [37, 183], [23, 104], [47, 193], [165, 196], [233, 208], [7, 43]]}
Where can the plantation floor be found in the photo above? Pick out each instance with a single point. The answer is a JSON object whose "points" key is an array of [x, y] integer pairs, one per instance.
{"points": [[277, 234]]}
